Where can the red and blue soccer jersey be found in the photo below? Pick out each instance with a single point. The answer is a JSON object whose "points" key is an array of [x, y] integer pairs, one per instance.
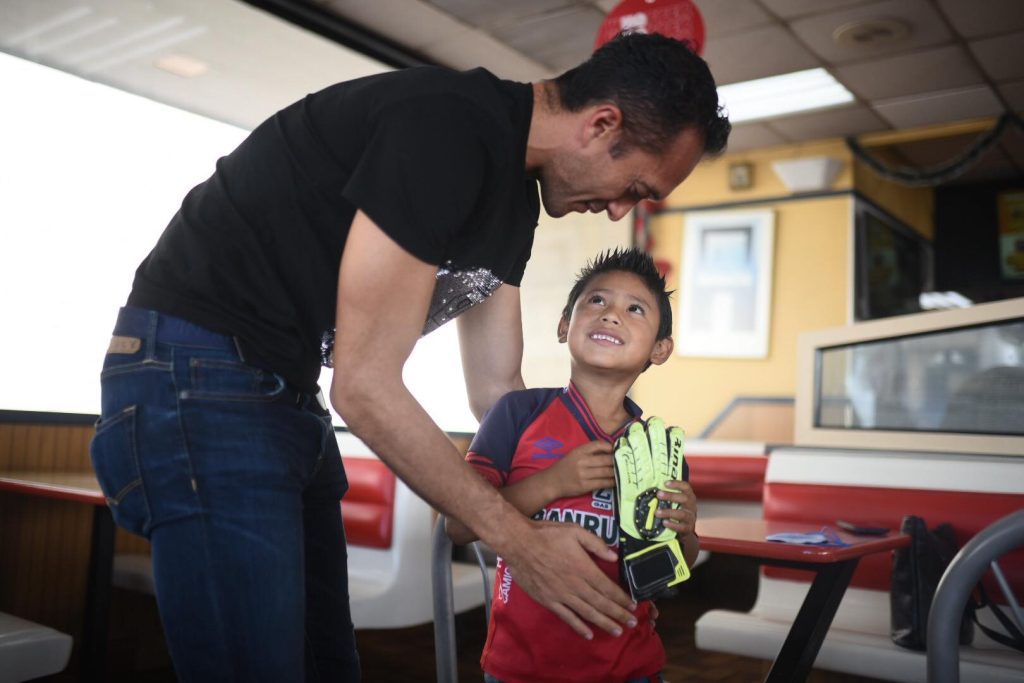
{"points": [[525, 432]]}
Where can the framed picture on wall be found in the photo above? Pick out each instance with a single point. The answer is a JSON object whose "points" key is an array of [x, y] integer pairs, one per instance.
{"points": [[726, 284]]}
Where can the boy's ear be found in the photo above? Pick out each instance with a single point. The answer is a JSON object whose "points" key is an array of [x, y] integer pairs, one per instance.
{"points": [[563, 330], [662, 350]]}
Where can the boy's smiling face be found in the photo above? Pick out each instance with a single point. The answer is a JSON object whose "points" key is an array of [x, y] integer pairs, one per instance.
{"points": [[614, 325]]}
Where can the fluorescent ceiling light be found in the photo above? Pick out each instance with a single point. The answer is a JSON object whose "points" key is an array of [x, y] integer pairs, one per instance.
{"points": [[785, 94]]}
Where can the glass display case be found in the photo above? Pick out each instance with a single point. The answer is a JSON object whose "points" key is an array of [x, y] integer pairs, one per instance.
{"points": [[950, 381]]}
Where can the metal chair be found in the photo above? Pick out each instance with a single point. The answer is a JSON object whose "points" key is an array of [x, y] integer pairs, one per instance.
{"points": [[963, 573], [444, 602]]}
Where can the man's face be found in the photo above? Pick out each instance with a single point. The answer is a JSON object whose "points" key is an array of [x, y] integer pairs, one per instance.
{"points": [[614, 325], [592, 178]]}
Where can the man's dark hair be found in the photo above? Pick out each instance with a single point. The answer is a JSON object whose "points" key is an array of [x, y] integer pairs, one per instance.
{"points": [[631, 260], [661, 86]]}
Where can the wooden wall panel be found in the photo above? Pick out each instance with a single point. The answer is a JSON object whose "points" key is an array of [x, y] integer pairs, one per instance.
{"points": [[44, 543], [762, 422]]}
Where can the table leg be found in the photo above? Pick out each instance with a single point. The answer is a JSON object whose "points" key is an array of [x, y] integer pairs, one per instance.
{"points": [[92, 662], [812, 622]]}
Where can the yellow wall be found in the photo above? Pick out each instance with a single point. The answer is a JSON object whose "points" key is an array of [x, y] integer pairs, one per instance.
{"points": [[915, 206], [809, 288], [809, 291]]}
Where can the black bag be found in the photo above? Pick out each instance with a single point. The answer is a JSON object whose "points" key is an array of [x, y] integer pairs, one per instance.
{"points": [[1013, 637], [916, 571]]}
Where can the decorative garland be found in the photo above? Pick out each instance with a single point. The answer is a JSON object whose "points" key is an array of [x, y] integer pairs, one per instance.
{"points": [[931, 176]]}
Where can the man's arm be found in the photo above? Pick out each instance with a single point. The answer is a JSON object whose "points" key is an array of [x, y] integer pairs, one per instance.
{"points": [[491, 342], [584, 469], [383, 298]]}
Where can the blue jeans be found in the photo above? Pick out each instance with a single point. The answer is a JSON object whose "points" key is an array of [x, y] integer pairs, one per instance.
{"points": [[236, 480]]}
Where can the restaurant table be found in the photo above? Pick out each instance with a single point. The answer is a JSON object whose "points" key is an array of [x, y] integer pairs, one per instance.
{"points": [[833, 566], [81, 487]]}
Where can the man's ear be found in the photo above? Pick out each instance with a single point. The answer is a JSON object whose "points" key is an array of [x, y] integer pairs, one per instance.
{"points": [[563, 330], [603, 120], [662, 350]]}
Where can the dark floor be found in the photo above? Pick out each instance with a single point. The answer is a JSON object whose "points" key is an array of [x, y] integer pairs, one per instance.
{"points": [[138, 655]]}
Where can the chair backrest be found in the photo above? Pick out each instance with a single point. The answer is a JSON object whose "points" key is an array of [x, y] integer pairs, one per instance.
{"points": [[387, 527], [368, 508], [957, 582]]}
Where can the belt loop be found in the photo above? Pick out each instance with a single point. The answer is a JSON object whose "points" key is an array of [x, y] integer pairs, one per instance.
{"points": [[151, 328]]}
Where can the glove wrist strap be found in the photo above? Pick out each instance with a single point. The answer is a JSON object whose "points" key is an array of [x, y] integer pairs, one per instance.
{"points": [[650, 568]]}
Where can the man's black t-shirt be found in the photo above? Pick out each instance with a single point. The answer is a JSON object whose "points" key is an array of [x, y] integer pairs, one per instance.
{"points": [[434, 157]]}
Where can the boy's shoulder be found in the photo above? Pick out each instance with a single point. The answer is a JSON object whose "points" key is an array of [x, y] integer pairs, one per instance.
{"points": [[529, 398], [523, 404]]}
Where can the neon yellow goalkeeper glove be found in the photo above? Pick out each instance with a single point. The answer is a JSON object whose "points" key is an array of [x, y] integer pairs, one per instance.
{"points": [[647, 456]]}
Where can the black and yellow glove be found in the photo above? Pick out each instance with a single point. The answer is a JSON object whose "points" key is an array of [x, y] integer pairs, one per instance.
{"points": [[647, 456]]}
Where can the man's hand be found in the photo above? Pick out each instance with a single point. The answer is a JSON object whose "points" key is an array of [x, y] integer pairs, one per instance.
{"points": [[553, 564], [586, 468]]}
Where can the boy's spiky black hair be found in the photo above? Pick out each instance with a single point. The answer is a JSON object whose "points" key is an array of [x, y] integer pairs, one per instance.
{"points": [[627, 260]]}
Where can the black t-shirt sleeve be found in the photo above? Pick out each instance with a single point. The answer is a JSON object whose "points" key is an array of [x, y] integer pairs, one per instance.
{"points": [[420, 176]]}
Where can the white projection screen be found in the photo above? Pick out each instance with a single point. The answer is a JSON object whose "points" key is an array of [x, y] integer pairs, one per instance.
{"points": [[89, 177]]}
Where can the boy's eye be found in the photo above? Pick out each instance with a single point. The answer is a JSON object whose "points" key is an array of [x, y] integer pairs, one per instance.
{"points": [[596, 299], [636, 308]]}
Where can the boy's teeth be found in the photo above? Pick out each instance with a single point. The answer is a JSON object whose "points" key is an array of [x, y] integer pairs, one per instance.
{"points": [[606, 338]]}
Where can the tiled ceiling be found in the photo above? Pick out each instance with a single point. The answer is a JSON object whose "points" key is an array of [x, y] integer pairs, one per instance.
{"points": [[956, 59]]}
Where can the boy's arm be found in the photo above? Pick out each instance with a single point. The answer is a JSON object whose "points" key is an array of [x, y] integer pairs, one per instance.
{"points": [[584, 469]]}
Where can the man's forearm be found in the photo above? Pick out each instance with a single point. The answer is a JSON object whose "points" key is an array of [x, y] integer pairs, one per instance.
{"points": [[527, 496], [401, 433]]}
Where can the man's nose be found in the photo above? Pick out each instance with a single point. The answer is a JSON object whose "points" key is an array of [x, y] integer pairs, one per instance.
{"points": [[620, 207]]}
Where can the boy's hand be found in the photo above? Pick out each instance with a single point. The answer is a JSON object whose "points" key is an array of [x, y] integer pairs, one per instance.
{"points": [[586, 468], [681, 519]]}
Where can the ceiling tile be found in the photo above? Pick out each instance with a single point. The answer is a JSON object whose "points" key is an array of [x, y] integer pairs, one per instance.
{"points": [[392, 19], [755, 54], [1001, 57], [490, 13], [748, 136], [832, 123], [944, 68], [559, 40], [974, 20], [471, 48], [724, 17], [790, 9], [1014, 94], [939, 107], [926, 29]]}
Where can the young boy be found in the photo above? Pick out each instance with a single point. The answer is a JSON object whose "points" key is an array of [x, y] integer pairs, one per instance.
{"points": [[550, 453]]}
